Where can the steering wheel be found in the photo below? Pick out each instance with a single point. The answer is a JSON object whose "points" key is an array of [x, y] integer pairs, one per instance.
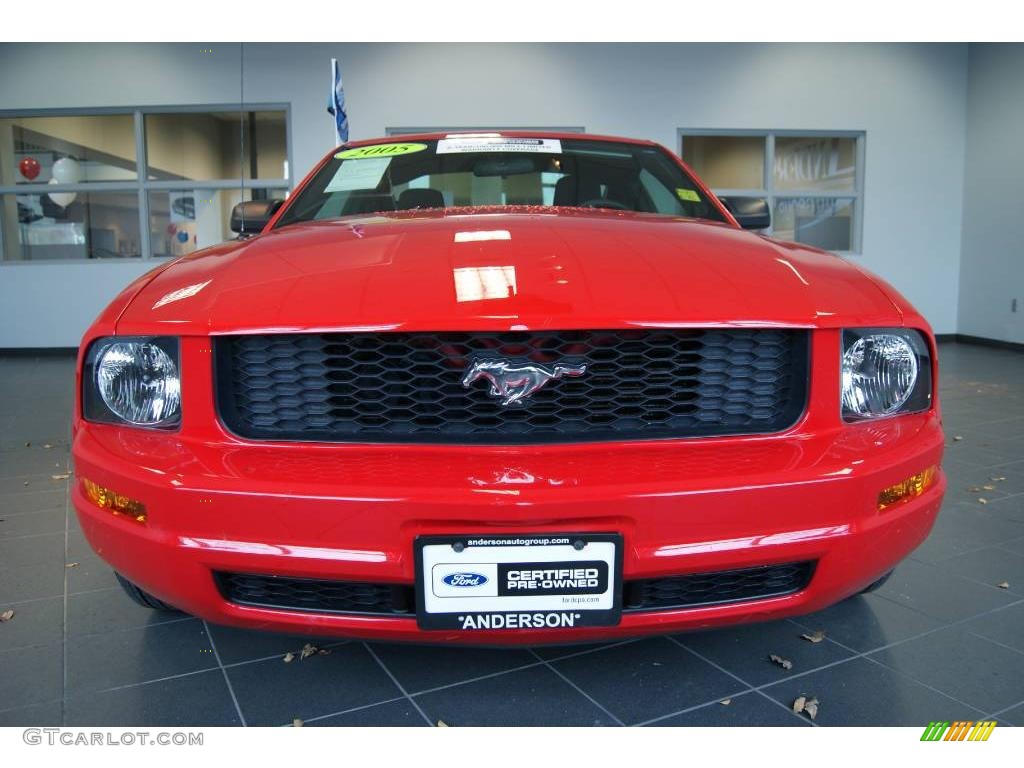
{"points": [[601, 202]]}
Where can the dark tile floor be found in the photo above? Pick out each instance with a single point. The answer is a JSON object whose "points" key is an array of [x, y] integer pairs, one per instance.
{"points": [[940, 640]]}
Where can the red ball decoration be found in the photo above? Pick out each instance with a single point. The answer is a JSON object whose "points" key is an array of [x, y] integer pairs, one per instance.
{"points": [[29, 168]]}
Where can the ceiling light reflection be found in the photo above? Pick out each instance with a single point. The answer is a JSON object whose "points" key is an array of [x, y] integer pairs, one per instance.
{"points": [[479, 283]]}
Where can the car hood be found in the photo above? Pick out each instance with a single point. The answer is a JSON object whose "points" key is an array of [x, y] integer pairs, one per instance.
{"points": [[485, 269]]}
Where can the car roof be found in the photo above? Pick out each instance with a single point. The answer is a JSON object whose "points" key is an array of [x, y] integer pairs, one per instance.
{"points": [[511, 133]]}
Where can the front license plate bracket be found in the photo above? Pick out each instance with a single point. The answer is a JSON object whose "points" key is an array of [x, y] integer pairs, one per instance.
{"points": [[518, 581]]}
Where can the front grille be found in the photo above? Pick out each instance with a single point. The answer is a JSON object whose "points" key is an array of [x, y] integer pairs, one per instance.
{"points": [[407, 387], [314, 595], [356, 597], [716, 587]]}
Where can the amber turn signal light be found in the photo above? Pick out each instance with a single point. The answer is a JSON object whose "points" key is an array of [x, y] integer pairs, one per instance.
{"points": [[115, 502], [910, 488]]}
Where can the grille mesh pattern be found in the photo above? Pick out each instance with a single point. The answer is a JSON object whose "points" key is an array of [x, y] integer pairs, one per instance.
{"points": [[318, 595], [693, 590], [717, 587], [407, 387]]}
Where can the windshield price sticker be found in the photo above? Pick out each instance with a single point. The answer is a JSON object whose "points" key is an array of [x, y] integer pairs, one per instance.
{"points": [[498, 144], [366, 174]]}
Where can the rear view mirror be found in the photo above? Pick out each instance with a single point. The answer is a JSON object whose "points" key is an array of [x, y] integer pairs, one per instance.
{"points": [[248, 218], [503, 165], [749, 212]]}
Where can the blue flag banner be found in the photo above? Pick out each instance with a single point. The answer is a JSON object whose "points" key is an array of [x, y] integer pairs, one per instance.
{"points": [[336, 105]]}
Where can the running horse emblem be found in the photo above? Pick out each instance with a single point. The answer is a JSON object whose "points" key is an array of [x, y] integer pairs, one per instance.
{"points": [[514, 381]]}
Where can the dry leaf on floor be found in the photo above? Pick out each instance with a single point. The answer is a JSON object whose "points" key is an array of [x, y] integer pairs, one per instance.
{"points": [[1004, 585], [983, 501], [811, 708], [307, 650], [25, 483], [784, 663], [807, 705], [288, 657], [70, 565], [60, 477], [324, 652], [297, 723], [725, 702], [989, 487], [814, 637], [7, 615], [997, 479], [442, 724], [28, 445], [47, 446], [958, 438]]}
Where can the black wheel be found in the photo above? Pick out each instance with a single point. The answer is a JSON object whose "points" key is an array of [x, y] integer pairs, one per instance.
{"points": [[877, 584], [141, 597]]}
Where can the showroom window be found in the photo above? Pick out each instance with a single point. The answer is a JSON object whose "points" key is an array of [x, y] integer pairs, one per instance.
{"points": [[134, 183], [813, 181]]}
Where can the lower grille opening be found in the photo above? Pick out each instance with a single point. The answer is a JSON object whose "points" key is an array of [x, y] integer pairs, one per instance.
{"points": [[717, 587], [315, 595], [357, 597]]}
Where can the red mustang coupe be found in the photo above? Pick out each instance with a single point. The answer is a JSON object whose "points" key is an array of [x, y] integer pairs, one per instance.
{"points": [[505, 388]]}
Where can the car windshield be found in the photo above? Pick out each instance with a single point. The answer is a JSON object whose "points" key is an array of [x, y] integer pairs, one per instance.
{"points": [[471, 171]]}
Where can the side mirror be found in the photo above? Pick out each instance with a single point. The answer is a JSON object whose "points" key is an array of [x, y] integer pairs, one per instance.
{"points": [[248, 218], [750, 212]]}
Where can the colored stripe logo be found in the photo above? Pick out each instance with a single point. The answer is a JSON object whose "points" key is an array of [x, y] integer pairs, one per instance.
{"points": [[960, 730]]}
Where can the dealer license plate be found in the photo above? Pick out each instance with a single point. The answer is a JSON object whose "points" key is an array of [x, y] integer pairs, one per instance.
{"points": [[543, 581]]}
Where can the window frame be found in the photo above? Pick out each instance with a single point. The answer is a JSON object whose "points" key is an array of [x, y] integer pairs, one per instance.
{"points": [[768, 190], [142, 184]]}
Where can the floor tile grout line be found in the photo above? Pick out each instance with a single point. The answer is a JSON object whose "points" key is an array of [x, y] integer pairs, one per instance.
{"points": [[881, 648], [224, 672], [579, 690], [351, 709], [520, 668], [398, 685], [899, 671], [64, 618], [119, 630], [126, 686], [733, 675], [995, 642], [22, 536], [694, 708], [257, 660], [500, 673], [965, 553], [30, 512], [56, 596], [1004, 710], [929, 686]]}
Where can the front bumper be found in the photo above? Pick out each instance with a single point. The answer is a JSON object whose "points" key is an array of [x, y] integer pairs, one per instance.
{"points": [[351, 513]]}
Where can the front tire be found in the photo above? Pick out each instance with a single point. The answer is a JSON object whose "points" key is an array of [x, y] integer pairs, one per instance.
{"points": [[877, 584], [142, 597]]}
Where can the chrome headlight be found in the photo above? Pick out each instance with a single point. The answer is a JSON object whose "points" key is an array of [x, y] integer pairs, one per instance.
{"points": [[133, 380], [885, 371]]}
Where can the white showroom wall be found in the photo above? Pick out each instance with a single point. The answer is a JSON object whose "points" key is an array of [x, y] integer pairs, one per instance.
{"points": [[992, 260], [909, 99]]}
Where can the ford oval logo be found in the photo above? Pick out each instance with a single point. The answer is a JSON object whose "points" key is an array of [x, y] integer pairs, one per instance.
{"points": [[465, 579]]}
